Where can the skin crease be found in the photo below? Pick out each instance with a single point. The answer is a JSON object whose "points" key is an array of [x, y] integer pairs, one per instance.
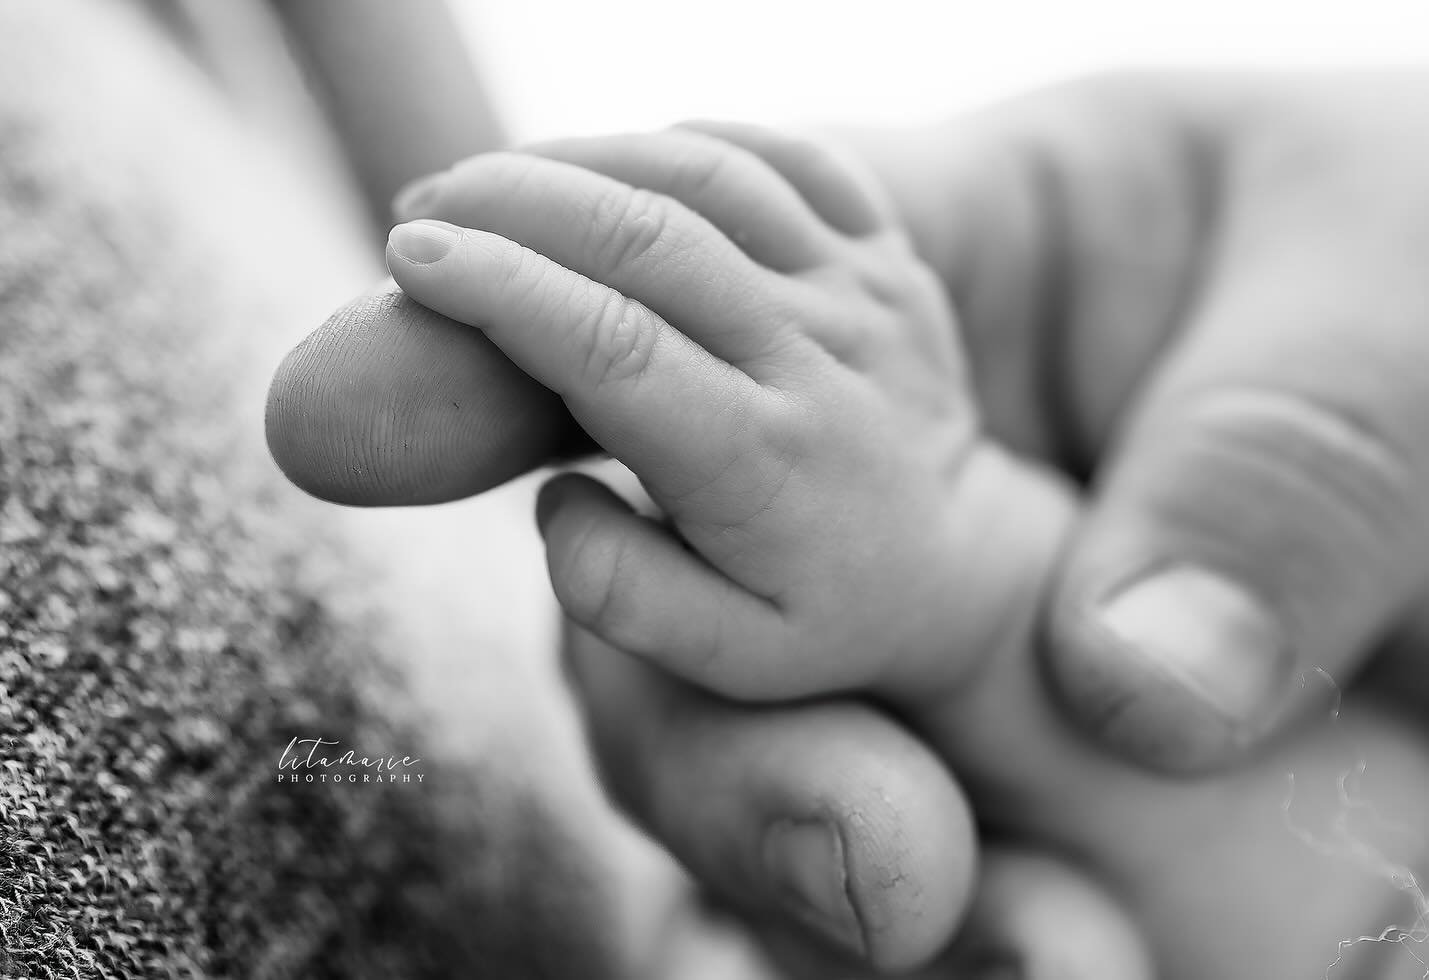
{"points": [[1134, 825]]}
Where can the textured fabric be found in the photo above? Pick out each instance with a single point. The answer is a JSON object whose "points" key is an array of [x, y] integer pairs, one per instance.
{"points": [[172, 614]]}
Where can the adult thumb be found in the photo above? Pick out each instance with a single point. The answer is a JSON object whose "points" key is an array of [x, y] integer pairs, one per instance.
{"points": [[1265, 510]]}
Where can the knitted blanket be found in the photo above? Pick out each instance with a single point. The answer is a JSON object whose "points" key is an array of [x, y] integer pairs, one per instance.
{"points": [[173, 615]]}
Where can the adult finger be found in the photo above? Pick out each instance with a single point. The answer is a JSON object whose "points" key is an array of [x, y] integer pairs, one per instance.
{"points": [[391, 403], [1233, 347], [829, 815]]}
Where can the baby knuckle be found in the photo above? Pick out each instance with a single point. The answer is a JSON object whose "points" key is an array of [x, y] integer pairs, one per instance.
{"points": [[787, 433], [895, 279], [700, 172], [632, 222], [806, 154], [620, 340]]}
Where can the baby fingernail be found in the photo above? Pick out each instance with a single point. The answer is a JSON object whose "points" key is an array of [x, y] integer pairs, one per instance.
{"points": [[416, 196], [805, 861], [548, 501], [1207, 633], [423, 242]]}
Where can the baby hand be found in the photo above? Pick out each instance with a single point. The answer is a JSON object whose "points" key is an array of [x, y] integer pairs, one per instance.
{"points": [[737, 317]]}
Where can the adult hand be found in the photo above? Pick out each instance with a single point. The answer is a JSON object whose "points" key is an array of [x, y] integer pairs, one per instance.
{"points": [[1208, 295]]}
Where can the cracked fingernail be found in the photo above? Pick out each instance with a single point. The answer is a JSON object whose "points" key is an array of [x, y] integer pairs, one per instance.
{"points": [[805, 861]]}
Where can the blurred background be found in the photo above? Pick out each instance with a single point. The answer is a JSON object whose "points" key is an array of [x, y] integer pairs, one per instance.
{"points": [[564, 67]]}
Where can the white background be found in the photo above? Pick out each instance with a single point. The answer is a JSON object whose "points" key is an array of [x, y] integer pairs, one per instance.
{"points": [[564, 67]]}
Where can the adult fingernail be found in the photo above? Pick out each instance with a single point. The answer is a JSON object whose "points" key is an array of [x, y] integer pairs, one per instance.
{"points": [[806, 864], [1205, 632], [414, 198], [423, 242]]}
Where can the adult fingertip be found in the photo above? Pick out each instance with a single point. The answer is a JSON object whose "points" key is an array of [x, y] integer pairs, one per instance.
{"points": [[895, 914], [893, 857], [1178, 667], [391, 403]]}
